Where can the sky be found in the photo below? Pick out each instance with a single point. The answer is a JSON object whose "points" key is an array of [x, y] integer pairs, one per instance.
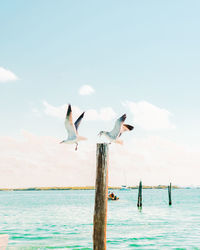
{"points": [[107, 58]]}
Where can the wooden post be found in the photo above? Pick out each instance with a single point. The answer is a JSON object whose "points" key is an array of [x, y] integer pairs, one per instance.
{"points": [[139, 204], [101, 197], [170, 194]]}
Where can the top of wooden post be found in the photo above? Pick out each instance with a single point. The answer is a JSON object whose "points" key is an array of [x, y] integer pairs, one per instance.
{"points": [[104, 143], [102, 147]]}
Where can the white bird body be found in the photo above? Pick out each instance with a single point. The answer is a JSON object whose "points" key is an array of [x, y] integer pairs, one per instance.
{"points": [[116, 132], [72, 128], [109, 136], [75, 140]]}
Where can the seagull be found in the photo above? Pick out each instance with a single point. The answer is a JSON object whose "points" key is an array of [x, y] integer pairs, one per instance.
{"points": [[119, 128], [72, 128]]}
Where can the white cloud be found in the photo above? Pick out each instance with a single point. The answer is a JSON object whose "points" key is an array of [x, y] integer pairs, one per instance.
{"points": [[104, 114], [155, 160], [54, 111], [148, 116], [7, 75], [42, 161], [86, 90]]}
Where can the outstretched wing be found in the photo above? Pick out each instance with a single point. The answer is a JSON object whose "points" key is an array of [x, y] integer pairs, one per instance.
{"points": [[117, 128], [78, 121], [69, 124], [125, 127]]}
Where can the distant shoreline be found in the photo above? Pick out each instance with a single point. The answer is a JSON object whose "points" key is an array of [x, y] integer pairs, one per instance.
{"points": [[86, 188]]}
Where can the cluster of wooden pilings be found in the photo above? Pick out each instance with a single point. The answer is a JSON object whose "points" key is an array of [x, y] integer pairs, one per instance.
{"points": [[101, 197], [139, 203]]}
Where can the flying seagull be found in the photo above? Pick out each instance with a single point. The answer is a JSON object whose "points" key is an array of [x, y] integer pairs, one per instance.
{"points": [[119, 128], [72, 128]]}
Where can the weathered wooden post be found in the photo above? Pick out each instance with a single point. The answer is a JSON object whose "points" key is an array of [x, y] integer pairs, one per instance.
{"points": [[101, 198], [139, 204], [170, 193]]}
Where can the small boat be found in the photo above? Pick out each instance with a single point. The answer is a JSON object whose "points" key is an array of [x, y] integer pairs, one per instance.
{"points": [[124, 187], [112, 197]]}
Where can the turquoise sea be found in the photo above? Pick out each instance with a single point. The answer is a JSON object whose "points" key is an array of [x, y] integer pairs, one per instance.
{"points": [[64, 219]]}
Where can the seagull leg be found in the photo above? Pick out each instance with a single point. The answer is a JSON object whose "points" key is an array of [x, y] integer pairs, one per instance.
{"points": [[76, 146]]}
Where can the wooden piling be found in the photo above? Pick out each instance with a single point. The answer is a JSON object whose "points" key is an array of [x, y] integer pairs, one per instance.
{"points": [[170, 194], [139, 203], [101, 197]]}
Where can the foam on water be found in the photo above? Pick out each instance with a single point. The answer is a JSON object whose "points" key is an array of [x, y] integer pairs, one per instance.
{"points": [[64, 220]]}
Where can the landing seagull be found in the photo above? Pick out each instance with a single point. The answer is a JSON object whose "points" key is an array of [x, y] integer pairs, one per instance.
{"points": [[119, 128], [72, 128]]}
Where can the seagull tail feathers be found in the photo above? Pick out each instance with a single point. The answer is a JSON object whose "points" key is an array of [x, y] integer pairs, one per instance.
{"points": [[119, 142], [81, 138]]}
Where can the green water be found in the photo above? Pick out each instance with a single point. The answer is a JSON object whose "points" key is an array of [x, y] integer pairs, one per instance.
{"points": [[64, 220]]}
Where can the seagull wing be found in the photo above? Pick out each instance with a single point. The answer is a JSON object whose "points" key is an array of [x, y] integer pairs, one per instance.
{"points": [[117, 128], [78, 121], [69, 124], [125, 127]]}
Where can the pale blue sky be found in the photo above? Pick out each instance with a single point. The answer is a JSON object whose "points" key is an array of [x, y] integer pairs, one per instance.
{"points": [[126, 50]]}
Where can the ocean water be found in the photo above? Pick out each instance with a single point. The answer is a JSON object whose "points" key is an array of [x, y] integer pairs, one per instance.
{"points": [[64, 220]]}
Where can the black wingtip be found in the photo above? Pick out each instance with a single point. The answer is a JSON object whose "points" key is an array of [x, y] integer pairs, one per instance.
{"points": [[78, 121], [82, 114], [69, 110], [129, 127], [123, 117]]}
